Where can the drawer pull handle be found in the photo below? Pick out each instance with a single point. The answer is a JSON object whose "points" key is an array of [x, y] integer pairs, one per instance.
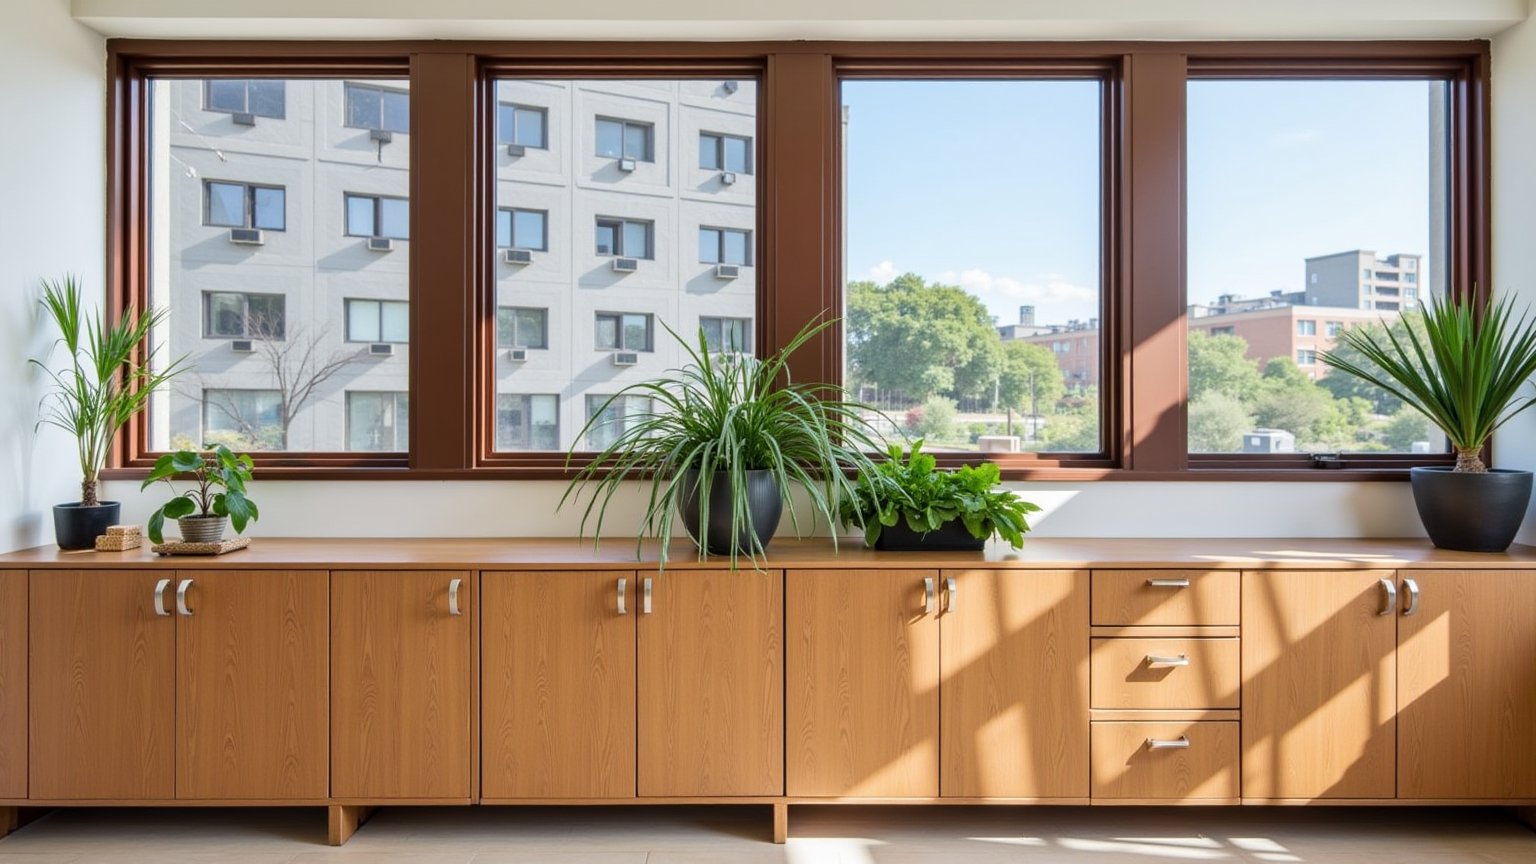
{"points": [[1179, 743], [453, 597], [951, 591], [623, 603], [1164, 661], [181, 597], [927, 595], [645, 595], [1168, 583], [1390, 591], [160, 598], [1413, 597]]}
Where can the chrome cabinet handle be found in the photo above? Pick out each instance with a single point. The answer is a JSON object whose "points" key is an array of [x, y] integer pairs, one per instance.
{"points": [[1413, 597], [181, 597], [1168, 583], [623, 603], [927, 595], [951, 590], [1164, 661], [453, 597], [1179, 743], [160, 598], [1391, 591], [645, 595]]}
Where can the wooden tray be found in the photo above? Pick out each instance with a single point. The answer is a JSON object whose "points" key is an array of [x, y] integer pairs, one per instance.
{"points": [[182, 547]]}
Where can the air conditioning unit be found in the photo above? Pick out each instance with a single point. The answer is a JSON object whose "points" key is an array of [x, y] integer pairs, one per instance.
{"points": [[381, 244], [626, 165], [625, 358], [383, 136], [626, 265], [517, 355], [727, 178], [243, 119], [516, 150], [381, 349], [727, 271], [247, 236], [517, 256], [242, 346]]}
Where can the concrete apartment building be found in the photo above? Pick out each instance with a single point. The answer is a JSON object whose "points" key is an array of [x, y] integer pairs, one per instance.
{"points": [[282, 228], [1280, 329], [1358, 279]]}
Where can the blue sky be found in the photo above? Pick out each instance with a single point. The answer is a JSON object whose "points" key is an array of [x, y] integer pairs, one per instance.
{"points": [[993, 185]]}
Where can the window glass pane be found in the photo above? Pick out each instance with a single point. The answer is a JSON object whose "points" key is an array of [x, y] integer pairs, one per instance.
{"points": [[709, 245], [503, 228], [360, 216], [637, 239], [394, 218], [610, 138], [709, 152], [378, 421], [607, 238], [397, 112], [225, 314], [530, 128], [267, 98], [396, 326], [529, 233], [226, 204], [966, 264], [637, 139], [362, 321], [266, 315], [637, 333], [1280, 167], [607, 332], [736, 247], [270, 204], [506, 124], [530, 328], [241, 420], [226, 95], [364, 108], [736, 158]]}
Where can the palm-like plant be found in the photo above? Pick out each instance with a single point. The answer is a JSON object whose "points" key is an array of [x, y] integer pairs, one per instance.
{"points": [[1461, 369], [729, 414], [107, 380]]}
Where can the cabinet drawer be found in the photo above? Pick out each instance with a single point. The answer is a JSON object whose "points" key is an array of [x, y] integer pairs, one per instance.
{"points": [[1165, 673], [1162, 598], [1200, 763]]}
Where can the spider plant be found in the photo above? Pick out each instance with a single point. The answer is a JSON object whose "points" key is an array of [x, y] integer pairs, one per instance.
{"points": [[728, 414], [1461, 369]]}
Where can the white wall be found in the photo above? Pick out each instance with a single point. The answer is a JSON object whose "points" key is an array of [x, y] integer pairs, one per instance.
{"points": [[52, 212]]}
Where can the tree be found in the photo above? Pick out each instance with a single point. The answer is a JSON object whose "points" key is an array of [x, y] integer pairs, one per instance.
{"points": [[1218, 364], [297, 366], [1408, 427], [1348, 386], [1287, 399], [922, 339], [934, 419], [1031, 379], [1217, 422]]}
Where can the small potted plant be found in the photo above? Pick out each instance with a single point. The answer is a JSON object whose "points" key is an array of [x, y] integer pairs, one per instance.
{"points": [[1463, 369], [203, 511], [908, 504]]}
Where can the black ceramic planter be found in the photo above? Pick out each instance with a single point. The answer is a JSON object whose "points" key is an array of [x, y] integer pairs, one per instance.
{"points": [[1471, 512], [764, 502], [76, 526], [952, 536]]}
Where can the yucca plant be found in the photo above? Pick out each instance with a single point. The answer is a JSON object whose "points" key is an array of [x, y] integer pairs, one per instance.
{"points": [[1461, 369], [728, 414]]}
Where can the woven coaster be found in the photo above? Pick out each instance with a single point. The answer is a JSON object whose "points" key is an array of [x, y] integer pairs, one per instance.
{"points": [[181, 547]]}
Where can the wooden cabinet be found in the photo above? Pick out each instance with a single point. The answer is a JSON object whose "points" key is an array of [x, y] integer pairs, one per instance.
{"points": [[1165, 761], [401, 684], [558, 698], [1319, 685], [1166, 597], [711, 683], [1165, 673], [1466, 692], [13, 684]]}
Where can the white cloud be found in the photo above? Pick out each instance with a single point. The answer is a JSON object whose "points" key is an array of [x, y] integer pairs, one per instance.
{"points": [[1047, 289], [884, 272]]}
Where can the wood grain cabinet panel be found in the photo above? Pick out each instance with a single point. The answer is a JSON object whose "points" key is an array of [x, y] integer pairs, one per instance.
{"points": [[1166, 597], [1166, 673], [400, 683], [1196, 761], [102, 686], [252, 684], [1466, 692], [13, 683], [558, 693], [1014, 700], [711, 684]]}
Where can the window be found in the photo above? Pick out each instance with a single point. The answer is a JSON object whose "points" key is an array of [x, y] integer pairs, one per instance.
{"points": [[378, 321], [1306, 357], [728, 335], [614, 420], [245, 205], [527, 422], [378, 421], [624, 238], [623, 331], [228, 315], [242, 420], [522, 328], [260, 97], [522, 229], [624, 139], [1306, 327], [1333, 328], [380, 108], [378, 216], [522, 125], [725, 246], [718, 152], [1411, 278]]}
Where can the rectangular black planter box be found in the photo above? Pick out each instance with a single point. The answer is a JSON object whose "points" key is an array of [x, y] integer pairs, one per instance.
{"points": [[950, 537]]}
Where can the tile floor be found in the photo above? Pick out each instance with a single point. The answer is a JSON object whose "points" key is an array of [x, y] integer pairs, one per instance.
{"points": [[819, 835]]}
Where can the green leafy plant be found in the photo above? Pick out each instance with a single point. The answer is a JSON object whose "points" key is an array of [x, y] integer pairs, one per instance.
{"points": [[731, 414], [218, 469], [108, 379], [1461, 368], [910, 488]]}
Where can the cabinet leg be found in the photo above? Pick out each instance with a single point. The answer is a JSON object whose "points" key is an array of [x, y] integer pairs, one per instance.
{"points": [[344, 820], [780, 823], [10, 819], [1525, 815]]}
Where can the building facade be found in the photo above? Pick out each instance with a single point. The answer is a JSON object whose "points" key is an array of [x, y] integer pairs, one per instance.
{"points": [[1358, 279]]}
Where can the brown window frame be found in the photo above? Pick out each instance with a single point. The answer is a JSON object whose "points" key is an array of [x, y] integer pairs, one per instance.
{"points": [[799, 271]]}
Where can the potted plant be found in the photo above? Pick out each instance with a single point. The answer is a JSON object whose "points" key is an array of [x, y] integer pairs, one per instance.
{"points": [[907, 504], [108, 379], [202, 512], [1463, 369], [726, 438]]}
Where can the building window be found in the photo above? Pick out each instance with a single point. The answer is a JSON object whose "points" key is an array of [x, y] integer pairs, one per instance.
{"points": [[1306, 327], [719, 152], [1306, 357], [1411, 278], [1223, 331], [1333, 328], [624, 331], [378, 321], [378, 216], [527, 422], [522, 125], [243, 419], [519, 327], [245, 205], [725, 246], [380, 108], [230, 315], [1366, 275], [260, 97], [624, 238], [727, 335], [625, 139], [378, 421], [608, 423], [517, 228]]}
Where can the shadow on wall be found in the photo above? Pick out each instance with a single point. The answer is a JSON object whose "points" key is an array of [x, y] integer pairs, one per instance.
{"points": [[22, 337]]}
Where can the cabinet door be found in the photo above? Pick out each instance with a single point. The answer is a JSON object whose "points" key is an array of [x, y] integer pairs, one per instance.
{"points": [[711, 684], [252, 663], [558, 654], [400, 684], [1319, 685], [1466, 685], [103, 686], [862, 677], [1015, 691], [13, 684]]}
